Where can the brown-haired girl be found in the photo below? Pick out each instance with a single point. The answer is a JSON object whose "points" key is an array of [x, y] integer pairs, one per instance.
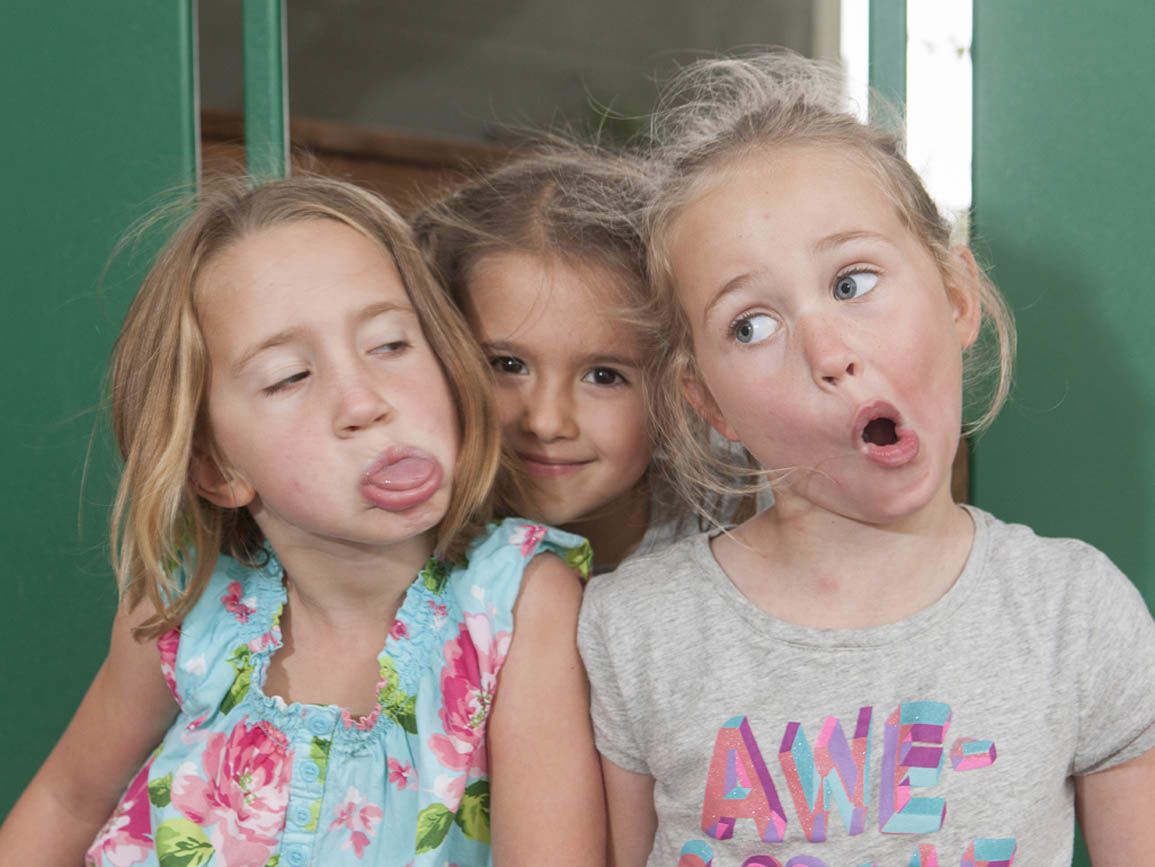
{"points": [[301, 532], [545, 257], [867, 672]]}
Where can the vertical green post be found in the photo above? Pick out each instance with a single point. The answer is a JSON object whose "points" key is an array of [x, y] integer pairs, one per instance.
{"points": [[888, 51], [266, 102], [100, 127]]}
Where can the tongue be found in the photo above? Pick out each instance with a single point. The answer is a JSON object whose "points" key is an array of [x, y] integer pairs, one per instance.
{"points": [[405, 474]]}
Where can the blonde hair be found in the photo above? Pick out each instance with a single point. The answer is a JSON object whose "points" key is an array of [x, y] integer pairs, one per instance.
{"points": [[717, 112], [159, 378]]}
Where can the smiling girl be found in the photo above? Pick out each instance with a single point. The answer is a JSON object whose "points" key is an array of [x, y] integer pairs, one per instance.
{"points": [[868, 672], [545, 258], [316, 616]]}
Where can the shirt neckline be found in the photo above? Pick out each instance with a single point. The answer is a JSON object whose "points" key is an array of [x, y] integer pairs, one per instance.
{"points": [[840, 638]]}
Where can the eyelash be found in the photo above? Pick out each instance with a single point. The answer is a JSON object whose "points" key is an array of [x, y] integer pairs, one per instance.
{"points": [[287, 382], [619, 378]]}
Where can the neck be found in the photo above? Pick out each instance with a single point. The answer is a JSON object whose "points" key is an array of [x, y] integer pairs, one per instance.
{"points": [[815, 568], [615, 530], [347, 584]]}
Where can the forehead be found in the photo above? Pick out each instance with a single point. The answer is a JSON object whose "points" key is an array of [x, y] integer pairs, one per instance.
{"points": [[521, 296], [827, 185], [298, 261]]}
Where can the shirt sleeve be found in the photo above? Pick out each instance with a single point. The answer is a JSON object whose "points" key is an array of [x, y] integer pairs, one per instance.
{"points": [[1117, 702], [613, 731]]}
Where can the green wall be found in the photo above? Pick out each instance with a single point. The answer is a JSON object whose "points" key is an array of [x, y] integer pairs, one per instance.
{"points": [[98, 108], [1064, 126], [1063, 201]]}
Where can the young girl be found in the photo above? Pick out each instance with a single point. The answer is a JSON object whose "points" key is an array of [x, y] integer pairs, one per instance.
{"points": [[545, 258], [309, 451], [866, 673]]}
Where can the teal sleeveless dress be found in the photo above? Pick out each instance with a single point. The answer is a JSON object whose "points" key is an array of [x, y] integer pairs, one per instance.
{"points": [[243, 779]]}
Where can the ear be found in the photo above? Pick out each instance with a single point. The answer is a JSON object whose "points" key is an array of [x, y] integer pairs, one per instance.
{"points": [[218, 486], [699, 397], [964, 287]]}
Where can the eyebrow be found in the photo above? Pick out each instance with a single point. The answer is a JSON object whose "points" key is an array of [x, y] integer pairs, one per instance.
{"points": [[596, 359], [291, 334]]}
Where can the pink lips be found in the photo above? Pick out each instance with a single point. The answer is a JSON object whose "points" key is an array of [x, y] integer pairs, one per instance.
{"points": [[403, 477], [896, 454], [544, 468]]}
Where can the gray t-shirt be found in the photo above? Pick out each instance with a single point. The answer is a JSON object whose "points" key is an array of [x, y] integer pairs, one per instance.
{"points": [[953, 734]]}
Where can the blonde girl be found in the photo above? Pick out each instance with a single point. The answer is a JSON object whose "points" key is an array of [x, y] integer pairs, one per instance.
{"points": [[315, 614], [866, 673], [545, 258]]}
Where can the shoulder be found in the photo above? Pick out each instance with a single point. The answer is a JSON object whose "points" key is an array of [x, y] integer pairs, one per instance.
{"points": [[1065, 568], [651, 583]]}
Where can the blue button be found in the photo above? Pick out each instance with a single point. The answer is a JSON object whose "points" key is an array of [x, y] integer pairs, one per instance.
{"points": [[309, 772], [320, 724], [300, 815], [296, 856]]}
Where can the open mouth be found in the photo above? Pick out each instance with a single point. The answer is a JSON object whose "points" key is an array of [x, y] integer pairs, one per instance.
{"points": [[880, 431]]}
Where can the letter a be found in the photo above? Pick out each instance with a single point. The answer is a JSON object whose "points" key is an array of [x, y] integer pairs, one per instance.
{"points": [[738, 786]]}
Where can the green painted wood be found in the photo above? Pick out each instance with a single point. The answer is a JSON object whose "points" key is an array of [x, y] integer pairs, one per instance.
{"points": [[1064, 121], [887, 63], [266, 102], [98, 106]]}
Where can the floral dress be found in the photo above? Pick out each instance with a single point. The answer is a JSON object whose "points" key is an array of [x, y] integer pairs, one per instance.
{"points": [[243, 779]]}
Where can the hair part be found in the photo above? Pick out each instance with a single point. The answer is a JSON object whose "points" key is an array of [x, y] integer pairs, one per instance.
{"points": [[717, 113], [159, 385]]}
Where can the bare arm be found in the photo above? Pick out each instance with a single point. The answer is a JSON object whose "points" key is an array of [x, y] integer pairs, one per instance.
{"points": [[546, 788], [630, 798], [1117, 812], [122, 717]]}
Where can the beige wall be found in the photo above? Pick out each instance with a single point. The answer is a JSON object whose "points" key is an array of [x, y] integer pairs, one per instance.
{"points": [[452, 68]]}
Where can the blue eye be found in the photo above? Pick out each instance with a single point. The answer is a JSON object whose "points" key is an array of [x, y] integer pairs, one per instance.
{"points": [[854, 285], [754, 328], [603, 376], [507, 364]]}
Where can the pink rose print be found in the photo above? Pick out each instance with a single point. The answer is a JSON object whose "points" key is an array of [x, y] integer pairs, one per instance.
{"points": [[240, 608], [399, 630], [528, 536], [403, 776], [468, 681], [440, 612], [240, 800], [167, 646], [126, 837], [360, 819]]}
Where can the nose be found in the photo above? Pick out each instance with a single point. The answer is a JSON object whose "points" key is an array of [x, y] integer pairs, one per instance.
{"points": [[830, 356], [548, 413], [360, 403]]}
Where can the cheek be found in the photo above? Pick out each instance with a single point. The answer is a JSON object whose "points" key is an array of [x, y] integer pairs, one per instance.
{"points": [[510, 404], [625, 433]]}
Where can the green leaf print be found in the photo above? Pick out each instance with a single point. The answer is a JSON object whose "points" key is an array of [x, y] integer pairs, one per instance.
{"points": [[319, 753], [581, 558], [160, 791], [433, 823], [394, 701], [473, 814], [242, 662], [180, 843], [274, 861], [435, 575]]}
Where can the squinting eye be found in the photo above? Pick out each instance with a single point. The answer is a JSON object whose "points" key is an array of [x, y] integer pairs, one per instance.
{"points": [[287, 382], [391, 346], [754, 328], [603, 376], [507, 364], [854, 285]]}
